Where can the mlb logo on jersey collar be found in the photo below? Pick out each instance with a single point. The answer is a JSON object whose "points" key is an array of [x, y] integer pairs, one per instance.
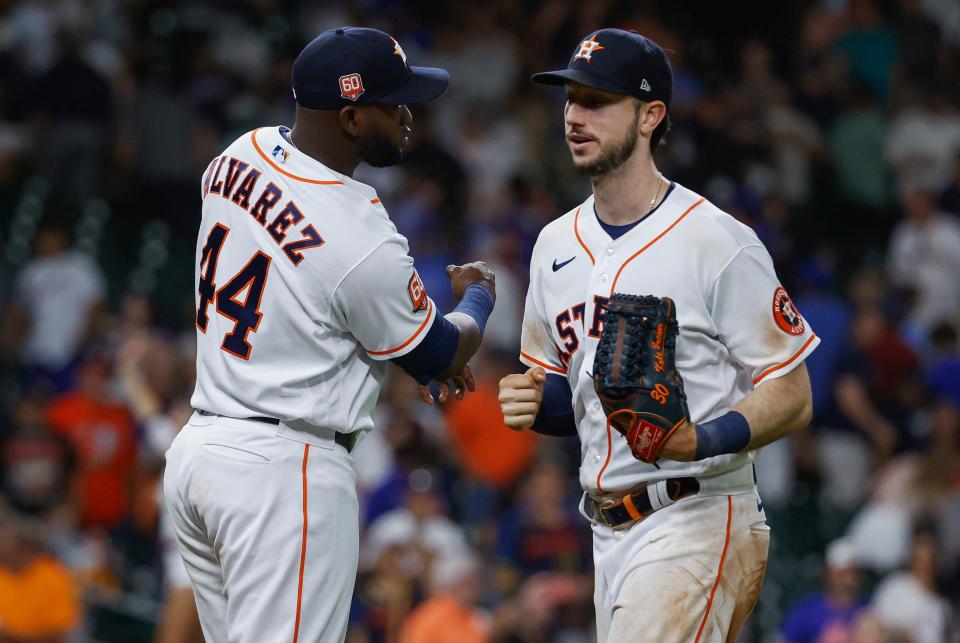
{"points": [[280, 154]]}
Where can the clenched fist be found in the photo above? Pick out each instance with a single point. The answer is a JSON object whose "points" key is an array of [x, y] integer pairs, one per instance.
{"points": [[520, 397], [476, 272]]}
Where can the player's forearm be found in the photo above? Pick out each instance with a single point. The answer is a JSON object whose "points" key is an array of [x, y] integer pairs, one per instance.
{"points": [[777, 407], [774, 409], [467, 345], [470, 317]]}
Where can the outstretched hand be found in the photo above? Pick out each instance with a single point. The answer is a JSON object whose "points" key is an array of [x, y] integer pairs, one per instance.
{"points": [[462, 382]]}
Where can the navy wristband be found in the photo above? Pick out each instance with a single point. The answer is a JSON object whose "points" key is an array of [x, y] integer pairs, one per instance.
{"points": [[477, 302], [556, 408], [728, 433], [433, 354]]}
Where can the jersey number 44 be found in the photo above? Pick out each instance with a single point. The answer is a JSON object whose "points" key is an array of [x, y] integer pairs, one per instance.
{"points": [[245, 314]]}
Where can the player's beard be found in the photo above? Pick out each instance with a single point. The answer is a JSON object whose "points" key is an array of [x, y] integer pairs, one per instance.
{"points": [[379, 150], [613, 155]]}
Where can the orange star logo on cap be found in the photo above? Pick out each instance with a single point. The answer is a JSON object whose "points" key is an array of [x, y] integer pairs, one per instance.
{"points": [[397, 51], [587, 47]]}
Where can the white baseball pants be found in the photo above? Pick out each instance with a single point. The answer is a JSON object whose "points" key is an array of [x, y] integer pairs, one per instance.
{"points": [[267, 523], [689, 573]]}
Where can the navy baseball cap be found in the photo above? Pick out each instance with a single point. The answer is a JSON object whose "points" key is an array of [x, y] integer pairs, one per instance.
{"points": [[359, 66], [617, 61]]}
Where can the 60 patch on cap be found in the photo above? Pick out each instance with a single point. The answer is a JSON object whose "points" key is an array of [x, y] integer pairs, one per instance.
{"points": [[351, 86]]}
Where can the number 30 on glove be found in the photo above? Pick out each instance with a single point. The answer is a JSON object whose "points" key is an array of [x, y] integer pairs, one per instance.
{"points": [[635, 374]]}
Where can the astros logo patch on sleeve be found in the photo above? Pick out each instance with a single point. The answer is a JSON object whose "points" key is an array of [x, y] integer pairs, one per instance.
{"points": [[785, 313], [417, 292]]}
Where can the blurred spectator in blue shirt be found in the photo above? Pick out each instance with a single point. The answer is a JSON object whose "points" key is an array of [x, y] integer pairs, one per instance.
{"points": [[543, 530], [830, 315], [830, 615], [943, 371]]}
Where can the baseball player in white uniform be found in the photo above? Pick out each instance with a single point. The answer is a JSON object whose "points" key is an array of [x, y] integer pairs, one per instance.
{"points": [[304, 290], [680, 546]]}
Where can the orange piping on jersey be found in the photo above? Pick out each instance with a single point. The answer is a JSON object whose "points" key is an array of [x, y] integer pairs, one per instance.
{"points": [[253, 139], [549, 367], [374, 201], [303, 542], [786, 363], [576, 218], [412, 337], [723, 557], [607, 461], [655, 239]]}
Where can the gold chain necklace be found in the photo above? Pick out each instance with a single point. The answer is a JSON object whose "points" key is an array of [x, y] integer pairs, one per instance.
{"points": [[657, 194]]}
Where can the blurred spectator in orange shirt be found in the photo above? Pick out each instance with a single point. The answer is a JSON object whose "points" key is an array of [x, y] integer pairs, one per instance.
{"points": [[489, 451], [449, 614], [103, 436], [38, 598]]}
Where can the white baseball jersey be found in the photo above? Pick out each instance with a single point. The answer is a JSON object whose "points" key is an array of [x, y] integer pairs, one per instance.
{"points": [[304, 288], [738, 326]]}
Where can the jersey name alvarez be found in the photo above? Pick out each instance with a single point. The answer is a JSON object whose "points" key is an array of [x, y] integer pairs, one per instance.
{"points": [[239, 183], [737, 324], [303, 286]]}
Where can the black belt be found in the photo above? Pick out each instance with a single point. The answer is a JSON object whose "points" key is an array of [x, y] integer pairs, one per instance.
{"points": [[346, 440], [636, 506]]}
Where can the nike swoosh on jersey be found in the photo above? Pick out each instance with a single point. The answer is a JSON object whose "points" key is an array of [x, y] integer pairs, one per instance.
{"points": [[558, 266]]}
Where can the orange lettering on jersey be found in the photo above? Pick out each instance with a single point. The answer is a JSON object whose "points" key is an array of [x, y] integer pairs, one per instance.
{"points": [[785, 313], [417, 292]]}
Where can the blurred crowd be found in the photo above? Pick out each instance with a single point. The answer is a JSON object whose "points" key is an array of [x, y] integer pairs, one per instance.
{"points": [[832, 127]]}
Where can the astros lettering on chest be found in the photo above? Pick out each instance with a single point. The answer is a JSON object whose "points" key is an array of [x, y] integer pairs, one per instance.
{"points": [[586, 271]]}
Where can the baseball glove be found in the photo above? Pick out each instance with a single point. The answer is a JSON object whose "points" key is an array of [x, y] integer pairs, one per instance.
{"points": [[635, 374]]}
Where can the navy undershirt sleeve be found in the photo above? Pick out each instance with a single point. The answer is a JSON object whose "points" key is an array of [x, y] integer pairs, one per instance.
{"points": [[434, 354], [556, 409]]}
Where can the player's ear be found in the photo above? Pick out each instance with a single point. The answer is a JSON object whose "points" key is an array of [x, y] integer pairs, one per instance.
{"points": [[350, 121], [651, 114]]}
